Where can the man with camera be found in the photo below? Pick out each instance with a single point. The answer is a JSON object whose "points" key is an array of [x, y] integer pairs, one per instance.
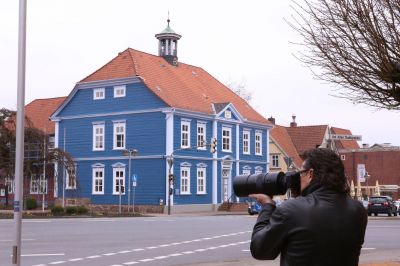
{"points": [[322, 226]]}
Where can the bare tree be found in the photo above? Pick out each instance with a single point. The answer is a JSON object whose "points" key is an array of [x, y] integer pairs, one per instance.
{"points": [[354, 44], [36, 149], [240, 89]]}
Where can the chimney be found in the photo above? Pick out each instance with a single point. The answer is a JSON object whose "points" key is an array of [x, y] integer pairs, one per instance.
{"points": [[272, 120], [365, 145], [293, 123]]}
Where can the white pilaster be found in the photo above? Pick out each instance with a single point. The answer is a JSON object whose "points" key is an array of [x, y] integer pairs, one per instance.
{"points": [[169, 148], [215, 166]]}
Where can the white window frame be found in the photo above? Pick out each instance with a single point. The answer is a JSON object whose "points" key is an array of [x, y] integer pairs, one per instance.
{"points": [[226, 140], [201, 136], [43, 184], [258, 170], [185, 180], [275, 161], [119, 91], [201, 180], [116, 134], [10, 183], [185, 134], [258, 143], [68, 182], [246, 171], [99, 94], [246, 142], [115, 179], [97, 178], [34, 184], [101, 137]]}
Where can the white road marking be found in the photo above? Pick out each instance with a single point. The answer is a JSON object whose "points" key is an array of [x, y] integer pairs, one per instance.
{"points": [[161, 257], [42, 255], [77, 259], [246, 250], [98, 220], [146, 260], [368, 248], [57, 262], [36, 221], [160, 246], [124, 251]]}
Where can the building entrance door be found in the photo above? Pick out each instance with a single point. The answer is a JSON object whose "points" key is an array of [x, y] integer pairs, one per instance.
{"points": [[225, 184]]}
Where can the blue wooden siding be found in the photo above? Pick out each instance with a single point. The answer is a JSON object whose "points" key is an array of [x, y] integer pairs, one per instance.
{"points": [[193, 137], [252, 156], [144, 132], [137, 97], [193, 197], [233, 140], [150, 185]]}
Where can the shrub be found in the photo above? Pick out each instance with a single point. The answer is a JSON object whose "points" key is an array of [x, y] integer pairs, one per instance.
{"points": [[31, 203], [81, 210], [71, 210], [57, 210]]}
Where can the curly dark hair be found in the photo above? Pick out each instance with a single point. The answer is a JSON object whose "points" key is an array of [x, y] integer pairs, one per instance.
{"points": [[328, 169]]}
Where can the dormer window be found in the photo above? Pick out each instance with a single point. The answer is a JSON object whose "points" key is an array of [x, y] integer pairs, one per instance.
{"points": [[98, 94], [119, 91]]}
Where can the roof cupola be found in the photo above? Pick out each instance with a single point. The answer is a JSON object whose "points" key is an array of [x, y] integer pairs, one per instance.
{"points": [[168, 44]]}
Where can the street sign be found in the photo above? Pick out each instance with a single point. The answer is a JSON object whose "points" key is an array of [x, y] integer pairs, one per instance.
{"points": [[345, 137], [134, 180]]}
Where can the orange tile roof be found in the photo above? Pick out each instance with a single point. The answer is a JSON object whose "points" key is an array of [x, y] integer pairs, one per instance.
{"points": [[307, 137], [344, 144], [185, 86], [282, 138], [38, 111]]}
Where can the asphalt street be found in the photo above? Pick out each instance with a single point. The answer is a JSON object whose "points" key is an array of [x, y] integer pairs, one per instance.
{"points": [[165, 240]]}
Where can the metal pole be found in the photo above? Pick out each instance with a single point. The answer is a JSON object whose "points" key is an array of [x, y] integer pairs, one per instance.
{"points": [[44, 172], [64, 170], [19, 149], [120, 187], [129, 183], [133, 200]]}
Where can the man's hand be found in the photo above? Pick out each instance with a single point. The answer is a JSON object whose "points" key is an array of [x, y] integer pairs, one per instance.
{"points": [[262, 198]]}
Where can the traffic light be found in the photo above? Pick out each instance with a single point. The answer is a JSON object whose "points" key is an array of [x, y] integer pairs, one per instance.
{"points": [[213, 145], [171, 178]]}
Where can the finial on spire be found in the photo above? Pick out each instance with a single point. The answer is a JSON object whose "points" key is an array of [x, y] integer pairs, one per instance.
{"points": [[168, 20]]}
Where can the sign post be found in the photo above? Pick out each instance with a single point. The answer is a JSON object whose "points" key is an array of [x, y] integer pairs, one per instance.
{"points": [[134, 184]]}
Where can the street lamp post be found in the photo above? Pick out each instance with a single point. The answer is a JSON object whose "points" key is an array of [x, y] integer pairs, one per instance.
{"points": [[367, 176], [130, 153]]}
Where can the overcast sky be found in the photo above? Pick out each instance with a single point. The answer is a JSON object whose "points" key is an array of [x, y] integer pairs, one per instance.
{"points": [[246, 42]]}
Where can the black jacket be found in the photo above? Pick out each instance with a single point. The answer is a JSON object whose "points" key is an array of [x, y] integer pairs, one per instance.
{"points": [[322, 228]]}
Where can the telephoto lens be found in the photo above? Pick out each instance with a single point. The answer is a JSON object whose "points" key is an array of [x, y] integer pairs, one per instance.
{"points": [[276, 183]]}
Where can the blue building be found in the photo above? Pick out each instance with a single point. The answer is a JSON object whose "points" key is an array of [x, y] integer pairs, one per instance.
{"points": [[163, 114]]}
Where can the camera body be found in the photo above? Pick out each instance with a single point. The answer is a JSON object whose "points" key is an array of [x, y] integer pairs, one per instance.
{"points": [[275, 183]]}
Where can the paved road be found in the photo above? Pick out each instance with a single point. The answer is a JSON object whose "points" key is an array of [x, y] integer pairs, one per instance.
{"points": [[175, 240]]}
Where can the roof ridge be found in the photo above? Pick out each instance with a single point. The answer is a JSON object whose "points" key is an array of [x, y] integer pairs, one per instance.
{"points": [[135, 64]]}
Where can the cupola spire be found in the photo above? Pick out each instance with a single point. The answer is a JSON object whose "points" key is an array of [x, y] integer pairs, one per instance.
{"points": [[168, 44]]}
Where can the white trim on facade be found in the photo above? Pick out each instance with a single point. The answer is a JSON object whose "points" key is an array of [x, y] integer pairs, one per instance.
{"points": [[185, 134], [201, 180], [201, 135], [98, 137], [119, 135], [98, 180], [119, 91], [118, 180], [185, 180], [226, 136], [258, 143], [99, 94], [246, 141]]}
